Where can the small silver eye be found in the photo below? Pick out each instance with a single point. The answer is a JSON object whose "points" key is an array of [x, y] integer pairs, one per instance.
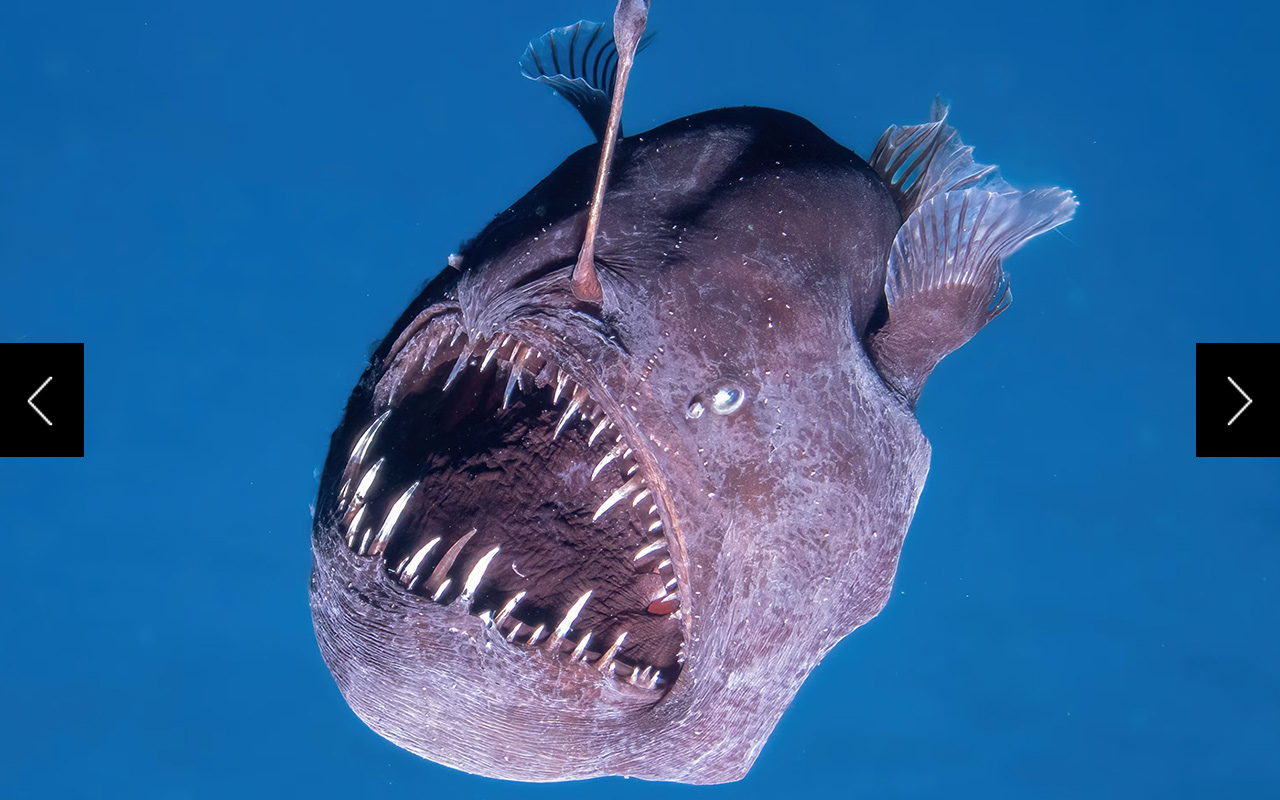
{"points": [[727, 399]]}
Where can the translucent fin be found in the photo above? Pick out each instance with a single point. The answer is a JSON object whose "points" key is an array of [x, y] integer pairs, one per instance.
{"points": [[921, 161], [580, 62], [945, 280]]}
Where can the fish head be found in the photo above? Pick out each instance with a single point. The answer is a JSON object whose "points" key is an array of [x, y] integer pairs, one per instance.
{"points": [[557, 540]]}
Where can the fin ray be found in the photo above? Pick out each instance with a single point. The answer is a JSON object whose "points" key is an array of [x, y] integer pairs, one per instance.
{"points": [[920, 161], [945, 277], [579, 62]]}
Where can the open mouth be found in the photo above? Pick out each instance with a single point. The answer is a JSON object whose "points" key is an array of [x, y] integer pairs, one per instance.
{"points": [[495, 481]]}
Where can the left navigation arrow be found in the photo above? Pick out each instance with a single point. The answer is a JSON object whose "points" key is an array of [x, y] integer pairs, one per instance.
{"points": [[31, 401]]}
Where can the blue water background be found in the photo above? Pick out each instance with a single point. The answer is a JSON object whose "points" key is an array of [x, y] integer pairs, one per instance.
{"points": [[228, 203]]}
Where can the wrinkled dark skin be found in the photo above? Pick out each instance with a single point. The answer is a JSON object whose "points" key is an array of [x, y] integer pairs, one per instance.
{"points": [[740, 245]]}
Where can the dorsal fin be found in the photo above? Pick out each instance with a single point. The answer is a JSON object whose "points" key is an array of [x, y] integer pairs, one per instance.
{"points": [[945, 280], [920, 161], [579, 61]]}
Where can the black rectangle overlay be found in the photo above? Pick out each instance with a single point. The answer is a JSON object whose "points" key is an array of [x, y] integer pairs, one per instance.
{"points": [[1237, 406], [41, 400]]}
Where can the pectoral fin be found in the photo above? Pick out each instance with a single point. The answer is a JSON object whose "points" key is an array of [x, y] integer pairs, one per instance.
{"points": [[945, 280]]}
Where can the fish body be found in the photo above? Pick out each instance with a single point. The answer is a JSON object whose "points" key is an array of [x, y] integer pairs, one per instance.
{"points": [[558, 538]]}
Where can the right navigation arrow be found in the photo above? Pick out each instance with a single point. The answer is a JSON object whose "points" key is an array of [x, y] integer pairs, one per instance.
{"points": [[1248, 401]]}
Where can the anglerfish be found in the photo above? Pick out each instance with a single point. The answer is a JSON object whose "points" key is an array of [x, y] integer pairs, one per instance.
{"points": [[646, 449]]}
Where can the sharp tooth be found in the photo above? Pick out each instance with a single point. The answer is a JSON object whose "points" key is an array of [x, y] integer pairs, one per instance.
{"points": [[671, 585], [444, 587], [561, 379], [354, 526], [567, 417], [512, 379], [520, 366], [362, 490], [631, 470], [635, 671], [635, 501], [342, 493], [607, 659], [609, 456], [654, 680], [653, 508], [410, 568], [511, 637], [656, 525], [364, 542], [487, 618], [664, 563], [476, 575], [457, 333], [488, 355], [393, 516], [362, 444], [581, 648], [458, 367], [537, 634], [446, 563], [621, 493], [651, 547], [510, 607], [600, 426], [570, 617], [432, 347]]}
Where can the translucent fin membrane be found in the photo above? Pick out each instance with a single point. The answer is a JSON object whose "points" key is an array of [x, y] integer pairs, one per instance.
{"points": [[580, 62], [945, 279]]}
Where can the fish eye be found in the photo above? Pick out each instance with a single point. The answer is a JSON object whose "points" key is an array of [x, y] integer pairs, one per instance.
{"points": [[727, 398], [724, 399]]}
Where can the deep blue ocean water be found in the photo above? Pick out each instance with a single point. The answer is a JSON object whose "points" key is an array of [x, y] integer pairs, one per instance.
{"points": [[228, 203]]}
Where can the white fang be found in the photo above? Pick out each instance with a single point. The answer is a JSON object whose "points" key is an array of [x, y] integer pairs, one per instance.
{"points": [[476, 575], [648, 548], [607, 658], [570, 412], [362, 444], [393, 516], [655, 525], [508, 608], [444, 587], [562, 630], [581, 648], [609, 456], [458, 367], [600, 426], [411, 567], [621, 493], [635, 501], [367, 481], [355, 526]]}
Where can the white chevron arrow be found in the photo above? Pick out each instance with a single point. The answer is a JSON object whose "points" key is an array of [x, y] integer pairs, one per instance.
{"points": [[31, 401], [1248, 401]]}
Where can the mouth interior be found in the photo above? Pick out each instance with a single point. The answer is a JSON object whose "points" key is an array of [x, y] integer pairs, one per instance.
{"points": [[495, 480]]}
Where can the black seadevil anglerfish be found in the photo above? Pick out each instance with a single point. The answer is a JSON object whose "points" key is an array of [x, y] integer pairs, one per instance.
{"points": [[605, 496]]}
